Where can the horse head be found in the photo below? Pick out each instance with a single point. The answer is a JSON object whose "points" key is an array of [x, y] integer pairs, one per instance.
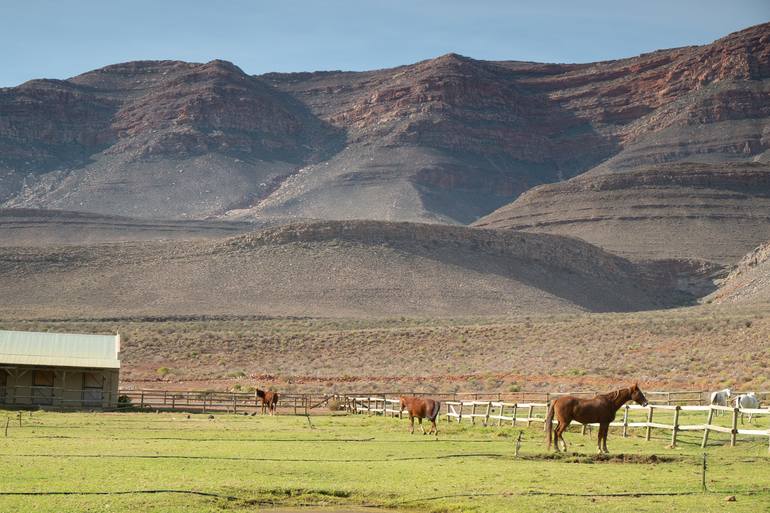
{"points": [[637, 395], [403, 403]]}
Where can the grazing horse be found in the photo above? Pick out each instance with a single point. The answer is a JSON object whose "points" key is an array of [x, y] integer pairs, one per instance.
{"points": [[269, 400], [601, 409], [747, 400], [720, 398], [422, 409]]}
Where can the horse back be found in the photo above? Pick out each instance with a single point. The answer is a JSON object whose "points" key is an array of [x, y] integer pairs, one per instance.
{"points": [[597, 409], [421, 407]]}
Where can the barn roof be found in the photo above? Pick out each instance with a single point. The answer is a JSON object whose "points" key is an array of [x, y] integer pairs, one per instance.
{"points": [[59, 349]]}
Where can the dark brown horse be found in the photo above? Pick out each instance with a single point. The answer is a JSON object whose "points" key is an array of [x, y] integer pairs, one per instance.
{"points": [[601, 409], [422, 409], [269, 400]]}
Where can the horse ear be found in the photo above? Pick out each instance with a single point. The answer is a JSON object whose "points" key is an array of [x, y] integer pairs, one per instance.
{"points": [[636, 386]]}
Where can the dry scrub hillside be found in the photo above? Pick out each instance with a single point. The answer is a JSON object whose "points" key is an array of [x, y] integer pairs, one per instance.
{"points": [[705, 346], [364, 268]]}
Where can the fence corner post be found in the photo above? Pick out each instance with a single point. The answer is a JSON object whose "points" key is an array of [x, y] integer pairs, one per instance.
{"points": [[675, 427], [707, 426], [625, 420], [734, 431], [649, 421]]}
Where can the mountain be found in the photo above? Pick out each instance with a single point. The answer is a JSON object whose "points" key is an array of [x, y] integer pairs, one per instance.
{"points": [[691, 177], [708, 211], [447, 140], [340, 268], [749, 281]]}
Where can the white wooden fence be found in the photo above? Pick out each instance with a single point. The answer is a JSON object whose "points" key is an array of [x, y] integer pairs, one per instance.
{"points": [[513, 413]]}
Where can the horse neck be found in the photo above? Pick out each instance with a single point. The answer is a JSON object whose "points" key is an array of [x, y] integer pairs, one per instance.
{"points": [[620, 397]]}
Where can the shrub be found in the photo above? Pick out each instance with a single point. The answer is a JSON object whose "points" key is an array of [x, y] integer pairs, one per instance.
{"points": [[124, 402], [335, 405], [163, 372]]}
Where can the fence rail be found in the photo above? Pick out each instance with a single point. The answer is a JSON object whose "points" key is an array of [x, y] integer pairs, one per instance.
{"points": [[535, 412], [209, 401]]}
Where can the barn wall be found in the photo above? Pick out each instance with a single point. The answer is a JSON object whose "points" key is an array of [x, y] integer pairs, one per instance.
{"points": [[68, 391]]}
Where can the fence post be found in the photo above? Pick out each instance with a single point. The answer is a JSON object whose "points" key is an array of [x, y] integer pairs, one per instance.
{"points": [[486, 417], [235, 404], [625, 421], [173, 401], [734, 432], [529, 415], [675, 427], [141, 401], [473, 412], [649, 421], [706, 430], [500, 414], [513, 418]]}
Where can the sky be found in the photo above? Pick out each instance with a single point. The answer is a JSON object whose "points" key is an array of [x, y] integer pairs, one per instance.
{"points": [[60, 39]]}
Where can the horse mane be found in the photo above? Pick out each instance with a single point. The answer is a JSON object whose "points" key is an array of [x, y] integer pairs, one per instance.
{"points": [[614, 396]]}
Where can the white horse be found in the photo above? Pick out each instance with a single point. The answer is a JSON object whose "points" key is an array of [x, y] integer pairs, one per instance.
{"points": [[747, 400], [720, 398]]}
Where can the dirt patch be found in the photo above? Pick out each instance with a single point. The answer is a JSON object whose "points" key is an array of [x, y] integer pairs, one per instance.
{"points": [[644, 459]]}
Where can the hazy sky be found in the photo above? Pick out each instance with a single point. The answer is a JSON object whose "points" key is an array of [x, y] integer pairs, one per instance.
{"points": [[59, 39]]}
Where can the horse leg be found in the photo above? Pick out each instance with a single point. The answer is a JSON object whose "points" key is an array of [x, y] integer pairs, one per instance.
{"points": [[419, 419], [604, 438], [561, 435], [599, 439], [555, 435], [601, 442], [411, 421], [558, 434], [433, 428]]}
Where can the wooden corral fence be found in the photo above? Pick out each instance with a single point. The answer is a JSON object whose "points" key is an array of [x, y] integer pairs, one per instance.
{"points": [[527, 413], [209, 401]]}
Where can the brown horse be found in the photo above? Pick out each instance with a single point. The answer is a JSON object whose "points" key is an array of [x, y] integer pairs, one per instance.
{"points": [[269, 400], [600, 409], [422, 409]]}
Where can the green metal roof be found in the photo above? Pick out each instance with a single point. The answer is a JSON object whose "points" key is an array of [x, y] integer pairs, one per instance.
{"points": [[59, 349]]}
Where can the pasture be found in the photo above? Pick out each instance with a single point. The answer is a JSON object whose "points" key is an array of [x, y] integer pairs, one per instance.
{"points": [[121, 462]]}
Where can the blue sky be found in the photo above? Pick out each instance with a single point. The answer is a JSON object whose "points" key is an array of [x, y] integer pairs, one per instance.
{"points": [[59, 39]]}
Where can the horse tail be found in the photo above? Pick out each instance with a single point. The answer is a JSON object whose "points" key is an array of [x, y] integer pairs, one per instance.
{"points": [[436, 409], [549, 423]]}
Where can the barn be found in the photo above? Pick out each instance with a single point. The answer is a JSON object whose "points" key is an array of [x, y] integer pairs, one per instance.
{"points": [[59, 370]]}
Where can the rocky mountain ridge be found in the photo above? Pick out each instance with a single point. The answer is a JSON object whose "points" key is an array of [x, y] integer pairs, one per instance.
{"points": [[447, 140]]}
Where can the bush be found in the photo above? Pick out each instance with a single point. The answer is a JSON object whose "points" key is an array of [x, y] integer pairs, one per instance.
{"points": [[124, 402], [335, 405], [163, 372]]}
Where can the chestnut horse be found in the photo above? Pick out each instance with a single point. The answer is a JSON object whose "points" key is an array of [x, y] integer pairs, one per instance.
{"points": [[422, 409], [600, 409], [269, 400]]}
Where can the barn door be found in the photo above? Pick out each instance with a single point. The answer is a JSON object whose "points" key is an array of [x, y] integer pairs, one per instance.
{"points": [[93, 387], [42, 387]]}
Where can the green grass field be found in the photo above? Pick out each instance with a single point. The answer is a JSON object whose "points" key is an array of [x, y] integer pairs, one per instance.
{"points": [[62, 462]]}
